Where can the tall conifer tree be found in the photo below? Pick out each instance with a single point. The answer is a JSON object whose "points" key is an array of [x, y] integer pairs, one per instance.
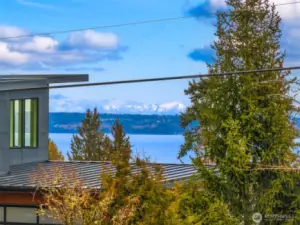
{"points": [[245, 119], [120, 145], [90, 143]]}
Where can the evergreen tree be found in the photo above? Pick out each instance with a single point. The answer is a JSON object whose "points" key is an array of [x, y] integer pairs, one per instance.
{"points": [[120, 144], [53, 152], [244, 120], [90, 143], [137, 180], [193, 205], [132, 178]]}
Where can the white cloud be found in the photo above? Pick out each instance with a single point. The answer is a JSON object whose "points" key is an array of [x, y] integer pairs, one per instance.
{"points": [[11, 31], [12, 57], [172, 105], [65, 105], [218, 3], [47, 53], [93, 39], [61, 103], [287, 12], [37, 44]]}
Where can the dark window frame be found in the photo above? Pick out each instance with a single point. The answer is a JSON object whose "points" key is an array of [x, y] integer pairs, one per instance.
{"points": [[5, 206], [22, 101]]}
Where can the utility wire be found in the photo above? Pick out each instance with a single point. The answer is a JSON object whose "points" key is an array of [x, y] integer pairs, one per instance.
{"points": [[118, 25], [164, 78], [175, 77], [288, 3], [97, 28]]}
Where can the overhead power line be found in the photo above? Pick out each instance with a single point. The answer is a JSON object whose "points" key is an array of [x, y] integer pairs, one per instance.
{"points": [[165, 78], [176, 77], [117, 25], [288, 3], [98, 27]]}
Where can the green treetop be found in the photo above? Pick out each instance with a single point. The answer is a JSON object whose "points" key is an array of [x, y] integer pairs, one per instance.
{"points": [[90, 143]]}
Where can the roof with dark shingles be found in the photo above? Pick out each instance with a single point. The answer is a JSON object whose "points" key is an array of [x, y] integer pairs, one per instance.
{"points": [[21, 176]]}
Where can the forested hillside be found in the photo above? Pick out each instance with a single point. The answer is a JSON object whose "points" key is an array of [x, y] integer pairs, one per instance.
{"points": [[133, 124]]}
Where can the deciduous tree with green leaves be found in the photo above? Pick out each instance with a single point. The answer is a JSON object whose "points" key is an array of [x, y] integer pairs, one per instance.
{"points": [[244, 120]]}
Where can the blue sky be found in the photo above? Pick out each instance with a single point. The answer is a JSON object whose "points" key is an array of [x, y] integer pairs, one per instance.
{"points": [[178, 47]]}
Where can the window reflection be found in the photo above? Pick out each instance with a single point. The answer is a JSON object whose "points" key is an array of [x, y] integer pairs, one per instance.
{"points": [[21, 215], [30, 133], [17, 123], [23, 123], [1, 214], [48, 219]]}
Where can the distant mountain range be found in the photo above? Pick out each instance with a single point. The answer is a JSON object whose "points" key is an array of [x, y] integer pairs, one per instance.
{"points": [[59, 103], [137, 118], [68, 122], [133, 124], [66, 115]]}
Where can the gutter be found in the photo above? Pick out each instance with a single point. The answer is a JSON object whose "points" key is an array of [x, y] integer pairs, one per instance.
{"points": [[21, 189]]}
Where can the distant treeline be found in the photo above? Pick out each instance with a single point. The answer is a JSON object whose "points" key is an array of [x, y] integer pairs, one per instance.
{"points": [[133, 124]]}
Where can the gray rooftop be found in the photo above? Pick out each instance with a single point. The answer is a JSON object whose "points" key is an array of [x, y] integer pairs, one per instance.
{"points": [[15, 82], [21, 176]]}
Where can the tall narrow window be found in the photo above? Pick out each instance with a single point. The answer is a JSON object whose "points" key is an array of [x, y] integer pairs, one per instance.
{"points": [[30, 129], [11, 122], [16, 114], [23, 123]]}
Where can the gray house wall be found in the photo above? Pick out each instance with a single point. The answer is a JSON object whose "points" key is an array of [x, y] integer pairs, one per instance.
{"points": [[9, 156]]}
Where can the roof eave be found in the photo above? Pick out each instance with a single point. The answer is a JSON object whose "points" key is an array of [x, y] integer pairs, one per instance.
{"points": [[51, 78], [23, 84], [66, 78], [22, 189]]}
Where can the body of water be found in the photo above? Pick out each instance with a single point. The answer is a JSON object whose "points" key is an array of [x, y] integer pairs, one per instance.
{"points": [[160, 148]]}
